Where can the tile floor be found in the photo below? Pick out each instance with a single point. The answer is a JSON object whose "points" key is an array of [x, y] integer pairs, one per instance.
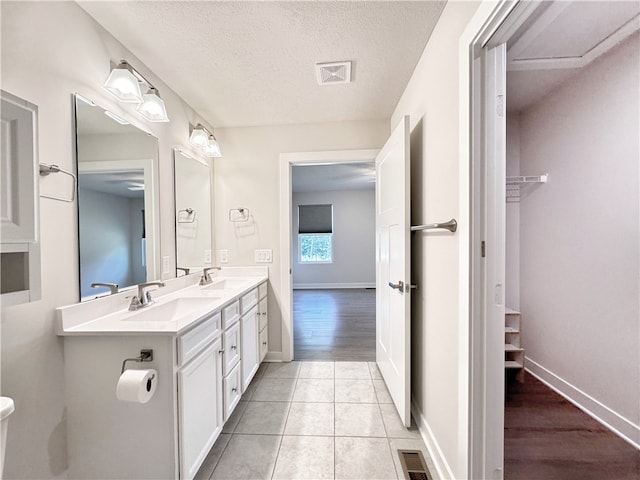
{"points": [[313, 420]]}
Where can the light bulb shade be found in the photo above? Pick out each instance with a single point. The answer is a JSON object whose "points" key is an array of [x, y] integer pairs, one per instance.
{"points": [[212, 148], [152, 107], [123, 85], [199, 137]]}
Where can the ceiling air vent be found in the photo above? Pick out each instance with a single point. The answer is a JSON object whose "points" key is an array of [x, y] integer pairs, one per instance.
{"points": [[332, 73]]}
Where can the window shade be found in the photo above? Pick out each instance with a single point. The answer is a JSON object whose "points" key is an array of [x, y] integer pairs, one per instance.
{"points": [[315, 219]]}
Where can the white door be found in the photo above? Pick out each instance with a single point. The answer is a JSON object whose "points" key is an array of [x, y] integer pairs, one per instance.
{"points": [[393, 273], [495, 208]]}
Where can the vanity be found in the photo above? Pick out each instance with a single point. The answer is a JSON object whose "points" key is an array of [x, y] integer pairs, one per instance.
{"points": [[207, 346]]}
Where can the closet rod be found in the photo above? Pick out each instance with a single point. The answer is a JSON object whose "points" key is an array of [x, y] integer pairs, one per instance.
{"points": [[451, 225]]}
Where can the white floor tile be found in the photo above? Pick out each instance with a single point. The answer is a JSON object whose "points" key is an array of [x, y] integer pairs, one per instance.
{"points": [[317, 370], [313, 390], [352, 370], [310, 419], [264, 418], [231, 424], [274, 390], [394, 426], [382, 394], [355, 391], [358, 420], [362, 458], [250, 457], [282, 370], [305, 458]]}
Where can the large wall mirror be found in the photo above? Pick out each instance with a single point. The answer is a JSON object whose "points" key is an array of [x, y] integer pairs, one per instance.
{"points": [[118, 207], [193, 213]]}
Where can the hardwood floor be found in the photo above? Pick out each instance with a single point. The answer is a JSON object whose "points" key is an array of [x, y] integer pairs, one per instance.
{"points": [[548, 438], [335, 324]]}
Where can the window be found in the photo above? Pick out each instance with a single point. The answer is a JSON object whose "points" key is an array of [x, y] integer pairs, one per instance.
{"points": [[315, 233]]}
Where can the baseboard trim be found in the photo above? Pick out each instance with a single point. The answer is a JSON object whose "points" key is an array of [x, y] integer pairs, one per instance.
{"points": [[439, 460], [615, 422], [320, 286], [273, 357]]}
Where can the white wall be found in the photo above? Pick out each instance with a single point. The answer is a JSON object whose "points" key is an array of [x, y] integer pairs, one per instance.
{"points": [[248, 176], [439, 317], [49, 51], [580, 235], [354, 255]]}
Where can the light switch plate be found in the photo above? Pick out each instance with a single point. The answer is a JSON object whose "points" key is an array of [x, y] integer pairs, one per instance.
{"points": [[207, 257], [263, 255], [165, 264], [224, 256]]}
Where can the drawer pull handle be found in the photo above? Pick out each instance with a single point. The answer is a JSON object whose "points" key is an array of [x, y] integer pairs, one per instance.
{"points": [[233, 347], [234, 389], [220, 352], [264, 343]]}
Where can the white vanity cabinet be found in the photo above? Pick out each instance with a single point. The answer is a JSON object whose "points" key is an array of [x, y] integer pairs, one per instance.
{"points": [[200, 372], [263, 322]]}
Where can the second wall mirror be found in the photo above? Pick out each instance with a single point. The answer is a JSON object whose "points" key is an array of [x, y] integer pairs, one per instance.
{"points": [[193, 213]]}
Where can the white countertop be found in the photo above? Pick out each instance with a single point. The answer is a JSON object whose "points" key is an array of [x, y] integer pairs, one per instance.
{"points": [[184, 307]]}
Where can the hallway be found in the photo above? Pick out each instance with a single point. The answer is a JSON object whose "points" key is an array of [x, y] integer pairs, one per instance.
{"points": [[313, 420]]}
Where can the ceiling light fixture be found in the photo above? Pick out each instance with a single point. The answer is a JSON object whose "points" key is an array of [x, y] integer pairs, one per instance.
{"points": [[124, 83], [202, 139]]}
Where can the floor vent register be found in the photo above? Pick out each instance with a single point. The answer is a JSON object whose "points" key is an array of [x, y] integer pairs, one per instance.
{"points": [[413, 465]]}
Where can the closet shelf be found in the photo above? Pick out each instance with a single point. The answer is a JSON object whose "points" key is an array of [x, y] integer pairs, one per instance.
{"points": [[512, 364], [512, 348], [511, 330], [527, 179]]}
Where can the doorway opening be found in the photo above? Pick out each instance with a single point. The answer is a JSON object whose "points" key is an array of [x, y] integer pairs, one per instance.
{"points": [[325, 255], [333, 260], [560, 84]]}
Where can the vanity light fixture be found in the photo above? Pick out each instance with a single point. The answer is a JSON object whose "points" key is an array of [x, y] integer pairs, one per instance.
{"points": [[205, 142], [152, 107], [124, 83]]}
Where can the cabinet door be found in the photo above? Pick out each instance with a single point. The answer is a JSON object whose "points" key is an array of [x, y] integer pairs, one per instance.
{"points": [[200, 408], [18, 163], [232, 348], [250, 351], [263, 314], [264, 343], [232, 391]]}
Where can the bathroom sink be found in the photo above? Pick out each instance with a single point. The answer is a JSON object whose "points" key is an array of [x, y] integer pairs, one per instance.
{"points": [[173, 309], [225, 284]]}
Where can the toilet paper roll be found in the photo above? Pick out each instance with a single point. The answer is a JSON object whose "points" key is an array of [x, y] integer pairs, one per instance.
{"points": [[137, 385]]}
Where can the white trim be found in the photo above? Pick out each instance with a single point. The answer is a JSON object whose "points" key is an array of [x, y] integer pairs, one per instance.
{"points": [[443, 469], [287, 161], [273, 357], [320, 286], [615, 422]]}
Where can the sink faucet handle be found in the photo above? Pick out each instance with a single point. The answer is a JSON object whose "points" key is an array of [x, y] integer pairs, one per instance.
{"points": [[206, 278], [144, 297]]}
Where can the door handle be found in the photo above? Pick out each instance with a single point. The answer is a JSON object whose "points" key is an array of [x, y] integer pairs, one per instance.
{"points": [[397, 286]]}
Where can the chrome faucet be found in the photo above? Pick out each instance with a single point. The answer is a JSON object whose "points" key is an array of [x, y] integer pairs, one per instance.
{"points": [[206, 278], [185, 270], [113, 287], [144, 298]]}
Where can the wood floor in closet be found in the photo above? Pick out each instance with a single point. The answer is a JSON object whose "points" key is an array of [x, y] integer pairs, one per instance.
{"points": [[548, 438], [337, 325]]}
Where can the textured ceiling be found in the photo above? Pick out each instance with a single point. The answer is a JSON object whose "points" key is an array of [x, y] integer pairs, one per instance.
{"points": [[243, 63]]}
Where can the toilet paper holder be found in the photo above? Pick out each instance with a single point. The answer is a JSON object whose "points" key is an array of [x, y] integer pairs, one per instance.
{"points": [[146, 355]]}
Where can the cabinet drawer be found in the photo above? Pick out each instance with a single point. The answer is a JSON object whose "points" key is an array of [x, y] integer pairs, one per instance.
{"points": [[262, 290], [232, 391], [248, 300], [262, 314], [195, 339], [231, 347], [264, 343], [230, 314]]}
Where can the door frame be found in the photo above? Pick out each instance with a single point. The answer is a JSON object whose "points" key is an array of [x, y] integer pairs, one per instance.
{"points": [[287, 162], [485, 453]]}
